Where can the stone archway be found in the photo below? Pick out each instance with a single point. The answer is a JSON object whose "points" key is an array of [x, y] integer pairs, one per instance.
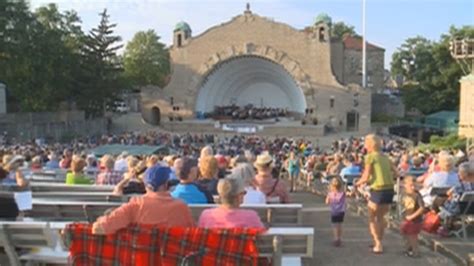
{"points": [[155, 115], [250, 79]]}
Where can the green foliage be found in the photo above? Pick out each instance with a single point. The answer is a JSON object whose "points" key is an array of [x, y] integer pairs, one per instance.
{"points": [[146, 61], [451, 141], [46, 59], [101, 67], [430, 72], [384, 118], [339, 29]]}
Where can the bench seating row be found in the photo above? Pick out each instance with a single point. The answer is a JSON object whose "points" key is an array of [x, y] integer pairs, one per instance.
{"points": [[270, 214], [284, 245]]}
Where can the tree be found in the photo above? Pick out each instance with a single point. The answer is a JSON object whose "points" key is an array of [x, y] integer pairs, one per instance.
{"points": [[37, 65], [101, 68], [430, 72], [146, 61], [411, 58], [339, 29]]}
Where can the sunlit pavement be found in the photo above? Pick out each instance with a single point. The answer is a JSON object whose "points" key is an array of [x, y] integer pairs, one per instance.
{"points": [[356, 240]]}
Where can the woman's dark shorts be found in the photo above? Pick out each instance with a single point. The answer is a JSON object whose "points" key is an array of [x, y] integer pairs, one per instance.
{"points": [[337, 218], [382, 196]]}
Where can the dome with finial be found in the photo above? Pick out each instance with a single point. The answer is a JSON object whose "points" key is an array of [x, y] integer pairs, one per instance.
{"points": [[182, 26], [323, 18]]}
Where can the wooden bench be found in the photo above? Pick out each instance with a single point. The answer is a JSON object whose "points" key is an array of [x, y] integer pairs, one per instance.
{"points": [[56, 187], [271, 214], [286, 246], [92, 196], [48, 176], [38, 237]]}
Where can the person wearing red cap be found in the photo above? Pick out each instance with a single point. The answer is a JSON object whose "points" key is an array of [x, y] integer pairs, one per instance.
{"points": [[156, 207]]}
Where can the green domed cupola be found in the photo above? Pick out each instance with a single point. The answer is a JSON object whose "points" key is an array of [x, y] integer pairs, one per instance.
{"points": [[182, 26], [323, 18]]}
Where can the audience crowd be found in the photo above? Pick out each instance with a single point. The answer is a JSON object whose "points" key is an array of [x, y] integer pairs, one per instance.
{"points": [[251, 170]]}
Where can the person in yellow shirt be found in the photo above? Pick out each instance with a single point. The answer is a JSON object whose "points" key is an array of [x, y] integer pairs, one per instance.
{"points": [[379, 174]]}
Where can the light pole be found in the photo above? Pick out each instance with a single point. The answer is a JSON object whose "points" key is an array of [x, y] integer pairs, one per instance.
{"points": [[364, 48]]}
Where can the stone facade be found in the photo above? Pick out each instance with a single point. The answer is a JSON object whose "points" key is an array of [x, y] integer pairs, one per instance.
{"points": [[54, 125], [347, 63], [387, 105], [466, 107], [304, 55]]}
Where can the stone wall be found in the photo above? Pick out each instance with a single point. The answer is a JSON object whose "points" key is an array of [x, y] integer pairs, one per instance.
{"points": [[337, 60], [466, 111], [387, 105], [57, 125], [375, 68]]}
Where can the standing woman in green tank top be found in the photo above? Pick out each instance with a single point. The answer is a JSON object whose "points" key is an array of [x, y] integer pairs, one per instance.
{"points": [[379, 174]]}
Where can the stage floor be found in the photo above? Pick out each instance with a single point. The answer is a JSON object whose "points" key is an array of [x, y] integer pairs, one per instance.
{"points": [[286, 127]]}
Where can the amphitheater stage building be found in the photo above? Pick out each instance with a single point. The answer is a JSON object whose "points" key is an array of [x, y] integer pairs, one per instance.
{"points": [[256, 60]]}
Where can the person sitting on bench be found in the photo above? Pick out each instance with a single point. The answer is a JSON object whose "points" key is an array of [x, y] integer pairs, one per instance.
{"points": [[156, 207], [228, 214], [8, 206], [451, 206]]}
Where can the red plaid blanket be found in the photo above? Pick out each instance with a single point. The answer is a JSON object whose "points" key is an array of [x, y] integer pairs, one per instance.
{"points": [[148, 245]]}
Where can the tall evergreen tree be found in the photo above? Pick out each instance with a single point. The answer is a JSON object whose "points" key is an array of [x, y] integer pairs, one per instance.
{"points": [[100, 81]]}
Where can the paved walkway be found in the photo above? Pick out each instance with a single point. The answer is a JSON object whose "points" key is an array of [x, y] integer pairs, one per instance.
{"points": [[356, 239]]}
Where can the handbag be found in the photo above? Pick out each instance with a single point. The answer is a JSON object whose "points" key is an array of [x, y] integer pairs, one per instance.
{"points": [[431, 223]]}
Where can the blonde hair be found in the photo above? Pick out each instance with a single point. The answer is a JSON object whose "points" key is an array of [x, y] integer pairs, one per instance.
{"points": [[446, 162], [152, 160], [132, 161], [373, 141], [107, 161], [229, 190], [6, 159], [336, 184], [207, 151], [409, 179], [208, 167]]}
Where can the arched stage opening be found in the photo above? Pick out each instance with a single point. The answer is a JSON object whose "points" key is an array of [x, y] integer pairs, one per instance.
{"points": [[252, 80]]}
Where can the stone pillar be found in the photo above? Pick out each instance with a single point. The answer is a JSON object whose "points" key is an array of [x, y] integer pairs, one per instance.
{"points": [[466, 107]]}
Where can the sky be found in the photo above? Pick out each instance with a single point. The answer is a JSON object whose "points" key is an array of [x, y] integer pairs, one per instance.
{"points": [[389, 22]]}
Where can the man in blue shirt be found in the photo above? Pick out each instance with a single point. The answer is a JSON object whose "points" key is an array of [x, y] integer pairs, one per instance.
{"points": [[189, 192]]}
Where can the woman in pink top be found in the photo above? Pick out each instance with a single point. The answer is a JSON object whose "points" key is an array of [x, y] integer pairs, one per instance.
{"points": [[266, 183], [228, 215], [156, 207]]}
